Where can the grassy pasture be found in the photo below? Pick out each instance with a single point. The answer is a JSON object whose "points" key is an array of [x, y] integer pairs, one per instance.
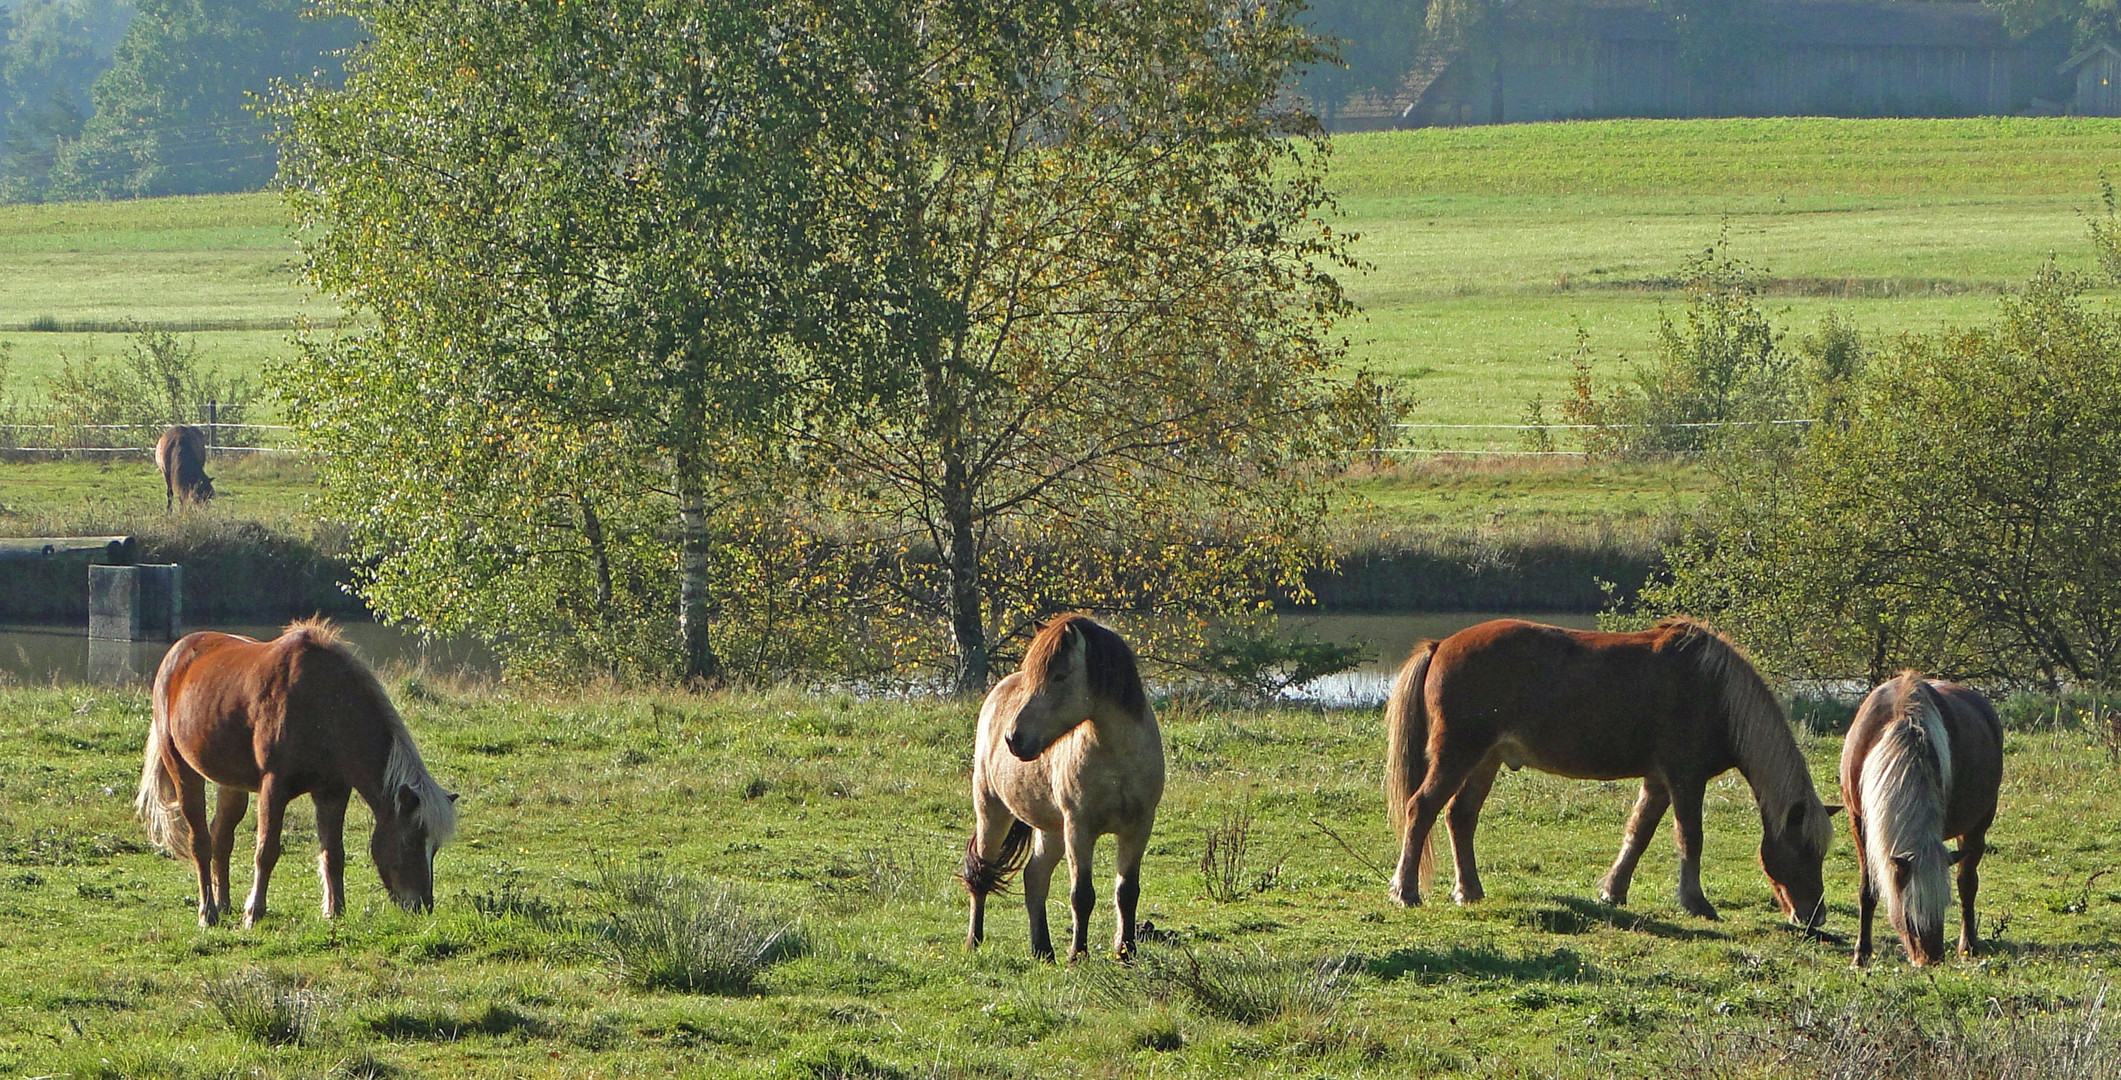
{"points": [[848, 816]]}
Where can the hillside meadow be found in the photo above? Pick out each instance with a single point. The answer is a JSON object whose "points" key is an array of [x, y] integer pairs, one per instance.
{"points": [[837, 824]]}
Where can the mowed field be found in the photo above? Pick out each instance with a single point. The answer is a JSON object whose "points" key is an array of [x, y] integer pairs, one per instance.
{"points": [[842, 822]]}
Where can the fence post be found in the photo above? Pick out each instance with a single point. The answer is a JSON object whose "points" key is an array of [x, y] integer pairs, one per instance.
{"points": [[213, 422]]}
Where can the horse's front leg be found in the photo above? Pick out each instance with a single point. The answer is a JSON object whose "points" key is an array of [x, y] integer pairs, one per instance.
{"points": [[231, 803], [1686, 820], [1082, 890], [331, 849], [1971, 847], [1127, 887], [272, 810], [1046, 852], [1650, 805], [1866, 895]]}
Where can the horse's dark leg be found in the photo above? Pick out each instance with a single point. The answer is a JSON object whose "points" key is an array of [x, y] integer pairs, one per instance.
{"points": [[1971, 846], [272, 809], [1082, 887], [1046, 851], [1127, 887], [1866, 895], [191, 802], [1462, 818], [231, 804], [1650, 805], [331, 849], [1447, 773], [1686, 818]]}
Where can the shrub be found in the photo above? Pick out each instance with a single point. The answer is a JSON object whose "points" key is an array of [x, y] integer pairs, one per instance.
{"points": [[1246, 988]]}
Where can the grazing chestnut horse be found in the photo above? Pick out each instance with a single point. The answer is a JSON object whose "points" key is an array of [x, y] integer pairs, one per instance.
{"points": [[1068, 751], [297, 715], [181, 455], [1921, 765], [1676, 705]]}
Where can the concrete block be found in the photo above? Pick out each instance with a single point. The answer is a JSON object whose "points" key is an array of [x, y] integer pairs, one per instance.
{"points": [[136, 603]]}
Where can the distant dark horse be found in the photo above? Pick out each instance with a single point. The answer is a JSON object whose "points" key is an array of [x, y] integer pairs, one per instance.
{"points": [[297, 715], [181, 455]]}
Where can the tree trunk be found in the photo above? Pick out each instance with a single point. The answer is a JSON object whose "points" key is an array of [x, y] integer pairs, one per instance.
{"points": [[967, 598], [697, 663]]}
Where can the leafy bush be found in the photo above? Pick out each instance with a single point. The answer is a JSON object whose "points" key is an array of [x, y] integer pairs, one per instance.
{"points": [[1263, 664]]}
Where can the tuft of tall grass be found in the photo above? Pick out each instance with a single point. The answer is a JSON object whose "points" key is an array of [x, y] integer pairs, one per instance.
{"points": [[1245, 988], [1878, 1037], [669, 931], [269, 1007]]}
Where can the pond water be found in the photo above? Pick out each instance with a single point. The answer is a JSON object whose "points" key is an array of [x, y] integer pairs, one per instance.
{"points": [[44, 654]]}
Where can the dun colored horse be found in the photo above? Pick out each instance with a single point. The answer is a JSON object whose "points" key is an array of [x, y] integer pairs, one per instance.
{"points": [[1676, 705], [181, 455], [1068, 751], [1921, 765], [297, 715]]}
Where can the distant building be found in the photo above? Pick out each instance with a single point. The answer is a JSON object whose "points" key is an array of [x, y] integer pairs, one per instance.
{"points": [[1595, 59], [2097, 72]]}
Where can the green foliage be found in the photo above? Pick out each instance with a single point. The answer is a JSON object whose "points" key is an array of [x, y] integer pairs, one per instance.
{"points": [[273, 1008], [174, 113], [1240, 986], [1373, 42], [157, 381], [1262, 663], [1958, 517], [1724, 372], [53, 50]]}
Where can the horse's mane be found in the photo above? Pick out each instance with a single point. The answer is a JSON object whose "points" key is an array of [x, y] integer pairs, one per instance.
{"points": [[1906, 777], [1111, 668], [1754, 722], [437, 813]]}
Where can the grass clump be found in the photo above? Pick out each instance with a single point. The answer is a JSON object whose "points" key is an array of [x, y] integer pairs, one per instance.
{"points": [[1241, 987], [269, 1007], [669, 931]]}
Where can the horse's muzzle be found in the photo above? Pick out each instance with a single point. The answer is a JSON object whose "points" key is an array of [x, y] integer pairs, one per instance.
{"points": [[1020, 747]]}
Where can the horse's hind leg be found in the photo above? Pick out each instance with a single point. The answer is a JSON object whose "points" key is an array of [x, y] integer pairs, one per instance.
{"points": [[1046, 852], [331, 849], [1686, 820], [191, 802], [1447, 773], [1462, 818], [1971, 847], [272, 810], [1650, 805], [231, 803]]}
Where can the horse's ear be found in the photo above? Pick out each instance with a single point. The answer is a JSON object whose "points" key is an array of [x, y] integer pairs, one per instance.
{"points": [[408, 800], [453, 798], [1951, 858], [1832, 809]]}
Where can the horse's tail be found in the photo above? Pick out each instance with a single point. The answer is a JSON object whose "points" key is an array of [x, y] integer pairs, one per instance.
{"points": [[1407, 742], [983, 876], [157, 805]]}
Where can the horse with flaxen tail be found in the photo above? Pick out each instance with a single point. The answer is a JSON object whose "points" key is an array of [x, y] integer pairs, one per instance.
{"points": [[1922, 764], [1068, 750], [297, 715], [1675, 705]]}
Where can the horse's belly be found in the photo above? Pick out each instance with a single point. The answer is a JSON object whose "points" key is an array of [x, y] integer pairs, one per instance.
{"points": [[1577, 761]]}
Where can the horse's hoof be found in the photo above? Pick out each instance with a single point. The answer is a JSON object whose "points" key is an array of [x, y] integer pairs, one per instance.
{"points": [[1464, 897], [1404, 899], [1610, 898]]}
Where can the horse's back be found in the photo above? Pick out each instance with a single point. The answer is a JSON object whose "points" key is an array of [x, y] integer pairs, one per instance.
{"points": [[237, 706], [1573, 702]]}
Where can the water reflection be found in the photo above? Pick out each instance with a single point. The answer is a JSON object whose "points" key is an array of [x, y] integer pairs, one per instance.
{"points": [[1392, 637], [65, 654]]}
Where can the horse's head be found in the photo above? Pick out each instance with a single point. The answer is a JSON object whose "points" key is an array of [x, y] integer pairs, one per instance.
{"points": [[1056, 682], [1917, 892], [1793, 853], [204, 489], [404, 844]]}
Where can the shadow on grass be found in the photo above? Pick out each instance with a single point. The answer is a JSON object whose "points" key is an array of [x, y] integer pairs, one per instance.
{"points": [[1576, 915], [400, 1025], [1483, 961]]}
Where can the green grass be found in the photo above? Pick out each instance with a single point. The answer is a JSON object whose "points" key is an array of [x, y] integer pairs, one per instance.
{"points": [[849, 816]]}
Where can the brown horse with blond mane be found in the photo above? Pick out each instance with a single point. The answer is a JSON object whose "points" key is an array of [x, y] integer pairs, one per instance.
{"points": [[1675, 705], [297, 715], [1922, 764], [1068, 750]]}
